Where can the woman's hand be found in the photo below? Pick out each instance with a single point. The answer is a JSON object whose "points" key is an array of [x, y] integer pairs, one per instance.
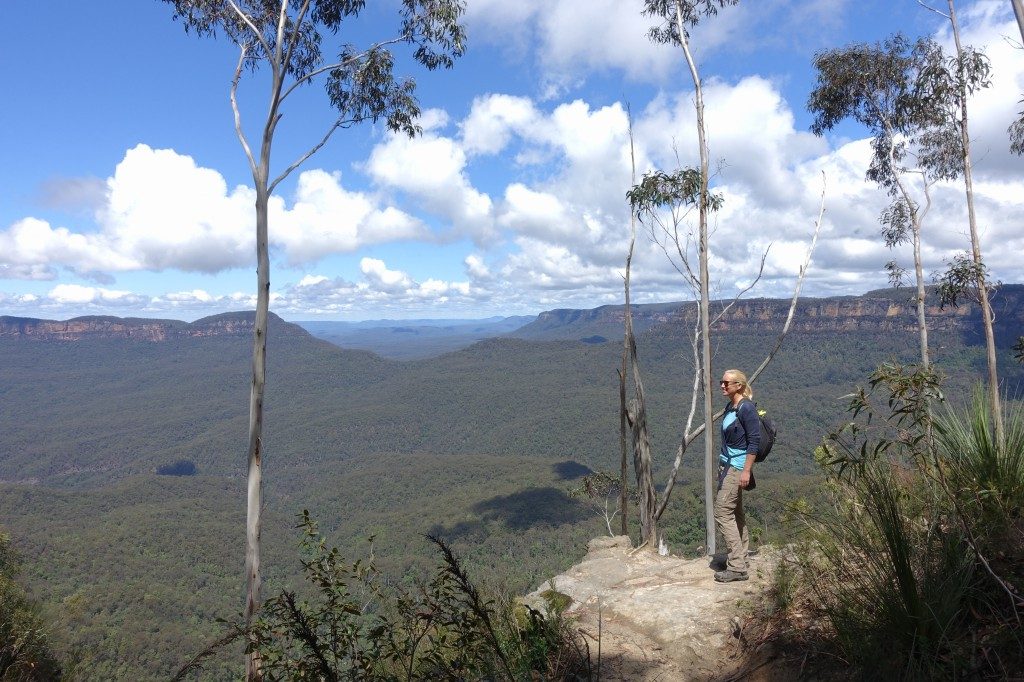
{"points": [[748, 469]]}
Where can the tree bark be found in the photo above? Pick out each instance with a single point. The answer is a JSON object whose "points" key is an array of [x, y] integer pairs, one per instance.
{"points": [[637, 417], [1018, 10], [254, 501], [986, 308], [623, 481]]}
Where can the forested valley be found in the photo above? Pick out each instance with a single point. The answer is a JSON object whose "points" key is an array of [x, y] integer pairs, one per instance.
{"points": [[131, 567]]}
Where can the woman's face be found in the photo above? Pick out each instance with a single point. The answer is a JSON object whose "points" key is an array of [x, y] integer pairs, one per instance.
{"points": [[730, 386]]}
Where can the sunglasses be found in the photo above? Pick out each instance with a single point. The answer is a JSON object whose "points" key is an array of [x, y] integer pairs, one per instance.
{"points": [[726, 383]]}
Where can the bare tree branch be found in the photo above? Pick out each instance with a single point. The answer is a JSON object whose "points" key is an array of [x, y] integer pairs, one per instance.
{"points": [[688, 435], [760, 272], [313, 150], [799, 284], [932, 9], [234, 107], [295, 34]]}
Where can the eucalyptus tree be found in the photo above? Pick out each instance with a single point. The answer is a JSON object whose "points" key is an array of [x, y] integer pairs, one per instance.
{"points": [[679, 192], [675, 195], [675, 17], [286, 37], [945, 86], [876, 85]]}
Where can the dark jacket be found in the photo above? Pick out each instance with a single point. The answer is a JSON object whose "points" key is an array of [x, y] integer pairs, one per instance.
{"points": [[741, 434]]}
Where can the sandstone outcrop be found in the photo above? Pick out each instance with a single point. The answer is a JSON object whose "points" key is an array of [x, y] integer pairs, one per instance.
{"points": [[657, 617]]}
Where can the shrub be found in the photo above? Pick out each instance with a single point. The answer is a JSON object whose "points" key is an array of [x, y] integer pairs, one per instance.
{"points": [[355, 624], [914, 561]]}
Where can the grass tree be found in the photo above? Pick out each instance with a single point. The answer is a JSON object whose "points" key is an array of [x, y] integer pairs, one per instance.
{"points": [[875, 85], [286, 39]]}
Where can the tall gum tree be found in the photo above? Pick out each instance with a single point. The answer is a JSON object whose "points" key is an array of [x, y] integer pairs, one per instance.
{"points": [[678, 193], [875, 86], [675, 17], [945, 86], [286, 38]]}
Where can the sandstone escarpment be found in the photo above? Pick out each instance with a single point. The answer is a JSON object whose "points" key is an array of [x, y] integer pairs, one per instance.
{"points": [[103, 327]]}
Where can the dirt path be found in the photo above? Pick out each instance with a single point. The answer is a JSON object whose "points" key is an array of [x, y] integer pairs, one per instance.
{"points": [[657, 618]]}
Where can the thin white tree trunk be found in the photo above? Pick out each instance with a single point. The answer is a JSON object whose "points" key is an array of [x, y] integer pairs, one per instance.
{"points": [[1018, 10], [254, 497], [710, 461], [986, 308]]}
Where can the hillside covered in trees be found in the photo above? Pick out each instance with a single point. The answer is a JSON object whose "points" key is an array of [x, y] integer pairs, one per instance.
{"points": [[479, 446]]}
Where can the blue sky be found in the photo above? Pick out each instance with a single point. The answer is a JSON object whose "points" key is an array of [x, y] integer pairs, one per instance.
{"points": [[124, 191]]}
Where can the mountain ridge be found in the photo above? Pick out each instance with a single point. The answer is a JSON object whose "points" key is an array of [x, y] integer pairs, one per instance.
{"points": [[877, 310], [146, 329], [880, 311]]}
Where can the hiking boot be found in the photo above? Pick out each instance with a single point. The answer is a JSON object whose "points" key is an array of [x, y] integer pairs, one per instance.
{"points": [[719, 562], [728, 576]]}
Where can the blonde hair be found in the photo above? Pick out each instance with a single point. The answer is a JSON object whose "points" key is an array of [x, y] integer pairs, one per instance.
{"points": [[739, 376]]}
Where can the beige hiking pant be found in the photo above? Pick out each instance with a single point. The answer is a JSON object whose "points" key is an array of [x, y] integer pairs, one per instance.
{"points": [[730, 521]]}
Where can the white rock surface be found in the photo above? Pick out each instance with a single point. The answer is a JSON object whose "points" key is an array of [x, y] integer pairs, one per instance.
{"points": [[659, 617]]}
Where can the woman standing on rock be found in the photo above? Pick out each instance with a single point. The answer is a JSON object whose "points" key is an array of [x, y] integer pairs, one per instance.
{"points": [[741, 435]]}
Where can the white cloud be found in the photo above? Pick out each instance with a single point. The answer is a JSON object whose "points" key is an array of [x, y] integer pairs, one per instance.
{"points": [[163, 211], [431, 168], [491, 121], [77, 294], [571, 39], [476, 267], [325, 219], [310, 280], [377, 272], [539, 187]]}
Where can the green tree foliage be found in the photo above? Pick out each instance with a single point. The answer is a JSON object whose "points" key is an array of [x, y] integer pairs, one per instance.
{"points": [[352, 623], [1016, 132], [471, 446], [25, 654], [878, 86]]}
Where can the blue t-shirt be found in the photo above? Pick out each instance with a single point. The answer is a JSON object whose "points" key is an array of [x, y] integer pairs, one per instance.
{"points": [[741, 434]]}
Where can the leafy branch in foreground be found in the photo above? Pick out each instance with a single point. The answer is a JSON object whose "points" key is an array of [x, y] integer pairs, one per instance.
{"points": [[350, 622]]}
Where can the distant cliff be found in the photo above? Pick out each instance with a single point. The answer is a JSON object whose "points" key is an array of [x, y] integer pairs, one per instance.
{"points": [[103, 327], [877, 311]]}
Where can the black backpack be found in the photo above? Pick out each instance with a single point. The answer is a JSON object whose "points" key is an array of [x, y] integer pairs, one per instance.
{"points": [[768, 431]]}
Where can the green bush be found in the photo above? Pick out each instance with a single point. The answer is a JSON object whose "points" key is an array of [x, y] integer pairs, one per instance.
{"points": [[914, 559], [352, 623]]}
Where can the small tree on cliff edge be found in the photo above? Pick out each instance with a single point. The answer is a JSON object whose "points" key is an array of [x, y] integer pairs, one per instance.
{"points": [[285, 37], [676, 194], [676, 16]]}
